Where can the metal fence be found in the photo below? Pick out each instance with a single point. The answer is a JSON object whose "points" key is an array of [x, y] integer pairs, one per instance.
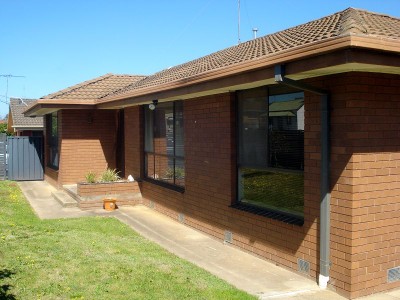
{"points": [[3, 156], [25, 158]]}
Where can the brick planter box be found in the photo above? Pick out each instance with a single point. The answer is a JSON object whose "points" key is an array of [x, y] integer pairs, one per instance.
{"points": [[91, 195]]}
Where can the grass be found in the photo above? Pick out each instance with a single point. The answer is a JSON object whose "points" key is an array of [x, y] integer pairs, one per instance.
{"points": [[91, 258], [282, 191]]}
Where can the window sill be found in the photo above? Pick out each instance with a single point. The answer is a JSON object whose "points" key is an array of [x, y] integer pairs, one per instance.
{"points": [[276, 215], [53, 167], [165, 185]]}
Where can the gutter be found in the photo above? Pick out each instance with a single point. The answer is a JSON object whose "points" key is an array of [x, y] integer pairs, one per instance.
{"points": [[325, 192]]}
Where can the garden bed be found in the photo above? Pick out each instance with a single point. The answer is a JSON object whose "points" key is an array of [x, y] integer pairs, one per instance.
{"points": [[91, 195]]}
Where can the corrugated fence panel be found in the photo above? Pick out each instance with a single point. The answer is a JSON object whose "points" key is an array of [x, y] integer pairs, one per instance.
{"points": [[3, 156], [25, 158]]}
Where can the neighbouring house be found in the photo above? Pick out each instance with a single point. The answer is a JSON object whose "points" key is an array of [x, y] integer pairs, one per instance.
{"points": [[286, 146], [20, 125]]}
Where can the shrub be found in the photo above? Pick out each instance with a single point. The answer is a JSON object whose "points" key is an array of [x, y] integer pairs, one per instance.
{"points": [[109, 175], [90, 177]]}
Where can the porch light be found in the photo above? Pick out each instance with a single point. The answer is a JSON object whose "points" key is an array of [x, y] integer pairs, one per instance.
{"points": [[152, 106]]}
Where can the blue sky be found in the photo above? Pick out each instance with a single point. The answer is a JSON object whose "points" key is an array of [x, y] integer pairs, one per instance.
{"points": [[56, 44]]}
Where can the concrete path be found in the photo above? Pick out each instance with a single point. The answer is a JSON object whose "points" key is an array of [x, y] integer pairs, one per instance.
{"points": [[245, 271]]}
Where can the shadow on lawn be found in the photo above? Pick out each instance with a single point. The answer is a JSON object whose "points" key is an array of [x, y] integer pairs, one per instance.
{"points": [[5, 288]]}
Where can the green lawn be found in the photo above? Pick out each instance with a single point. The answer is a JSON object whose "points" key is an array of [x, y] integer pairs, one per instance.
{"points": [[91, 258], [282, 191]]}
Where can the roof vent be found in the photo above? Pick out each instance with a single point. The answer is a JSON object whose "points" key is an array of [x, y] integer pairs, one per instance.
{"points": [[255, 29]]}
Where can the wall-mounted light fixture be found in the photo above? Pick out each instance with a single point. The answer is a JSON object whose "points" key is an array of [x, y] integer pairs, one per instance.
{"points": [[152, 106]]}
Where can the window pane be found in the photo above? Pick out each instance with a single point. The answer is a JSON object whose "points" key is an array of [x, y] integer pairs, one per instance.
{"points": [[273, 190], [148, 129], [180, 172], [271, 151], [286, 131], [253, 128], [164, 143], [164, 129], [149, 165], [179, 138], [52, 140], [54, 125], [164, 168], [54, 156]]}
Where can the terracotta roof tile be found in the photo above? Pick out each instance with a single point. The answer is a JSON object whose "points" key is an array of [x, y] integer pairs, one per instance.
{"points": [[348, 22], [95, 88], [17, 107]]}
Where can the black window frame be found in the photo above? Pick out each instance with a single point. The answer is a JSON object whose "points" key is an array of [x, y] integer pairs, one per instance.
{"points": [[156, 133], [53, 141], [276, 214]]}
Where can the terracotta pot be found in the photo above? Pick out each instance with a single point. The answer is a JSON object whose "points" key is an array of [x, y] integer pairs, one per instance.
{"points": [[109, 204]]}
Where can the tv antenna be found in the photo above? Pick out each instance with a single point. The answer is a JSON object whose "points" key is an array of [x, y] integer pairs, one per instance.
{"points": [[238, 21], [8, 76]]}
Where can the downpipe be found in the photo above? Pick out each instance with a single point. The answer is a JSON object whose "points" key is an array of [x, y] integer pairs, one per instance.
{"points": [[324, 238]]}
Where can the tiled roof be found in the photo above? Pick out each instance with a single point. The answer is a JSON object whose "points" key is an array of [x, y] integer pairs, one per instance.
{"points": [[348, 22], [17, 107], [95, 88]]}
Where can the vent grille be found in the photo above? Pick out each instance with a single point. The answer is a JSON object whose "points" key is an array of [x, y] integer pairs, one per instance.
{"points": [[228, 237], [303, 266], [393, 274], [181, 218]]}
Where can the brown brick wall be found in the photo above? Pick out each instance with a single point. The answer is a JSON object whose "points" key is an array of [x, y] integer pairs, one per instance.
{"points": [[133, 141], [105, 188], [210, 188], [365, 164], [51, 176], [88, 143]]}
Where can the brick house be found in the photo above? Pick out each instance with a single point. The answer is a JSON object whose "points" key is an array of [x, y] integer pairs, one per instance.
{"points": [[217, 143]]}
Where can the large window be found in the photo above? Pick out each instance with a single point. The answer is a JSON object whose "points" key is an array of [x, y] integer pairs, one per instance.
{"points": [[52, 140], [164, 143], [271, 151]]}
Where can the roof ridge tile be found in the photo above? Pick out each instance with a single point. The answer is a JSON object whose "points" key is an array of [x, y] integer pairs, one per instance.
{"points": [[351, 22]]}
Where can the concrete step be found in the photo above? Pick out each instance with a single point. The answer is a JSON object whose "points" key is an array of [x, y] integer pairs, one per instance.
{"points": [[64, 199], [72, 191]]}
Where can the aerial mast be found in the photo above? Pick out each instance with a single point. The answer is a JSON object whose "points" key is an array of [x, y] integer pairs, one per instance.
{"points": [[8, 76], [238, 21]]}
